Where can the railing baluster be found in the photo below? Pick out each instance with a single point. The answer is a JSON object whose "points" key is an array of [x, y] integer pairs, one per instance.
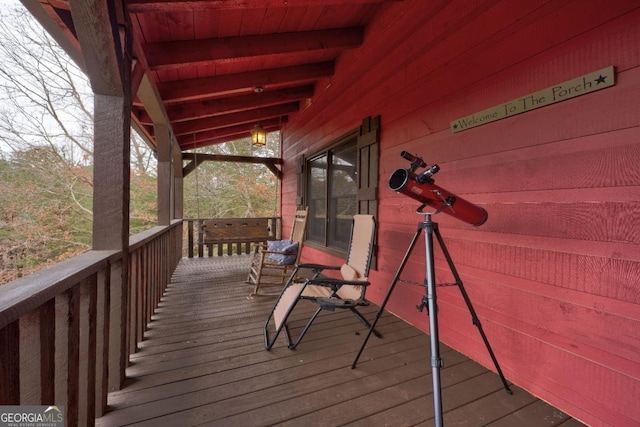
{"points": [[30, 346], [10, 366], [47, 352], [102, 340], [87, 348], [73, 356], [66, 332]]}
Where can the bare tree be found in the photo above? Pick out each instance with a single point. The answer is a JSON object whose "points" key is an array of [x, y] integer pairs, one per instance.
{"points": [[46, 99], [46, 151], [222, 189], [46, 155]]}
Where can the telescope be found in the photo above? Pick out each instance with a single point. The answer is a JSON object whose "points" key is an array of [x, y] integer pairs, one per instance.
{"points": [[421, 187]]}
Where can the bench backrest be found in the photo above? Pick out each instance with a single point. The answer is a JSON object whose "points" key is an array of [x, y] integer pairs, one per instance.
{"points": [[233, 230]]}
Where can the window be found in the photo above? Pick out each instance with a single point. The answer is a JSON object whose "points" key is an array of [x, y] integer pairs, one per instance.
{"points": [[332, 194], [337, 183]]}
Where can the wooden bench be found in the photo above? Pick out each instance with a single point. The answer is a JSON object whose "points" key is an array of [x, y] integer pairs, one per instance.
{"points": [[237, 232]]}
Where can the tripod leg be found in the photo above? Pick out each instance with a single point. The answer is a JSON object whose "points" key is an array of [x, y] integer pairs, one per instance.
{"points": [[474, 316], [430, 291], [387, 296]]}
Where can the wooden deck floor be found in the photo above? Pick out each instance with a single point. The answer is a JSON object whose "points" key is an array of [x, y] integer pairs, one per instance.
{"points": [[204, 363]]}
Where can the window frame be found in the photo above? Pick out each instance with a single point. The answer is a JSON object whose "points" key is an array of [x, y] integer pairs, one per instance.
{"points": [[346, 140], [367, 170]]}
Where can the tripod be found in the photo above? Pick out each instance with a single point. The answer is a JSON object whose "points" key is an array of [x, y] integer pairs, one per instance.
{"points": [[429, 300]]}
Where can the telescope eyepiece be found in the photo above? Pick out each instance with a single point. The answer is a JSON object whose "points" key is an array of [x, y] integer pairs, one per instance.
{"points": [[416, 162]]}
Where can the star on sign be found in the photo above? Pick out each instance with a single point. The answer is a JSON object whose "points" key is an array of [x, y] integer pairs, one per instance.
{"points": [[601, 79]]}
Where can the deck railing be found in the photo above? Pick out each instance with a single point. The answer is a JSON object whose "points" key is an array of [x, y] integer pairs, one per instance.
{"points": [[229, 236], [66, 332]]}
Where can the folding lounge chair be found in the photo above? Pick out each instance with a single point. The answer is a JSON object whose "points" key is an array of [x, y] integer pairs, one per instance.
{"points": [[347, 292], [273, 261]]}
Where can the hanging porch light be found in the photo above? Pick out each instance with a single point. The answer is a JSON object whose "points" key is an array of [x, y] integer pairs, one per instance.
{"points": [[258, 134]]}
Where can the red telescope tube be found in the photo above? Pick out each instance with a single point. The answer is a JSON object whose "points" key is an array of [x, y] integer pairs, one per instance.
{"points": [[404, 181]]}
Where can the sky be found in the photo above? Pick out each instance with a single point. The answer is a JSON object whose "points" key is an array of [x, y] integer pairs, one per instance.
{"points": [[4, 4], [30, 120]]}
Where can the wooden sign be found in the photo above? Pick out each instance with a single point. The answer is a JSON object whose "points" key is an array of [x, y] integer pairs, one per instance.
{"points": [[570, 89]]}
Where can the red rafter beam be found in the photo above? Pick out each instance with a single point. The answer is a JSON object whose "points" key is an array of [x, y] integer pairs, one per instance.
{"points": [[217, 136], [215, 107], [154, 6], [253, 116], [197, 158], [172, 54], [227, 84]]}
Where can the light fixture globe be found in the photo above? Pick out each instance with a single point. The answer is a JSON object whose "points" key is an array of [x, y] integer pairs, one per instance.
{"points": [[258, 135]]}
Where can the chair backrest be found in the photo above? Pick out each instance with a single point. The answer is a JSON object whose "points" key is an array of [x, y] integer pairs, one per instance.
{"points": [[299, 225], [298, 228], [361, 244], [359, 255]]}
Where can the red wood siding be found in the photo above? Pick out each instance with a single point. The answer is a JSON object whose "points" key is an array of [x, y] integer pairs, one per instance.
{"points": [[554, 274]]}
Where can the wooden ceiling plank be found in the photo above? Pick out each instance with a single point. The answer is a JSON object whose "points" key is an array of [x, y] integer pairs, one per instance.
{"points": [[151, 27], [191, 52], [274, 17], [206, 24], [332, 17], [252, 22], [293, 20]]}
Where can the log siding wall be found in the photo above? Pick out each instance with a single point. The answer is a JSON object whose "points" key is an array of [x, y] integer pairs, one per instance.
{"points": [[554, 274]]}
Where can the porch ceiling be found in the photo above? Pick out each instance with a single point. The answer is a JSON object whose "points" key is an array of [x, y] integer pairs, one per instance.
{"points": [[197, 63]]}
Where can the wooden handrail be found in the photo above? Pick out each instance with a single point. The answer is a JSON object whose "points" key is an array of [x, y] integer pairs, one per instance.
{"points": [[66, 332], [28, 293]]}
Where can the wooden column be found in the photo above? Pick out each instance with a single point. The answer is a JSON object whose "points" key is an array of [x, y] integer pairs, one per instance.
{"points": [[108, 68], [167, 149], [163, 141], [111, 216], [111, 173], [104, 33], [178, 184]]}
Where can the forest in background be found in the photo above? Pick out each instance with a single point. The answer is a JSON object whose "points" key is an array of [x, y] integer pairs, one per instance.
{"points": [[46, 158]]}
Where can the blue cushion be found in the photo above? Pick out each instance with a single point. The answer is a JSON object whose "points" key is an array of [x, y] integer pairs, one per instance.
{"points": [[283, 246]]}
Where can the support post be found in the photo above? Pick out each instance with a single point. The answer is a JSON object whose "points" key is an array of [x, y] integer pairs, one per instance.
{"points": [[163, 141]]}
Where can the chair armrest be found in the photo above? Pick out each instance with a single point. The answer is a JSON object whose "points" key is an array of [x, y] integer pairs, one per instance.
{"points": [[279, 252], [266, 260], [327, 281], [258, 247], [318, 267]]}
